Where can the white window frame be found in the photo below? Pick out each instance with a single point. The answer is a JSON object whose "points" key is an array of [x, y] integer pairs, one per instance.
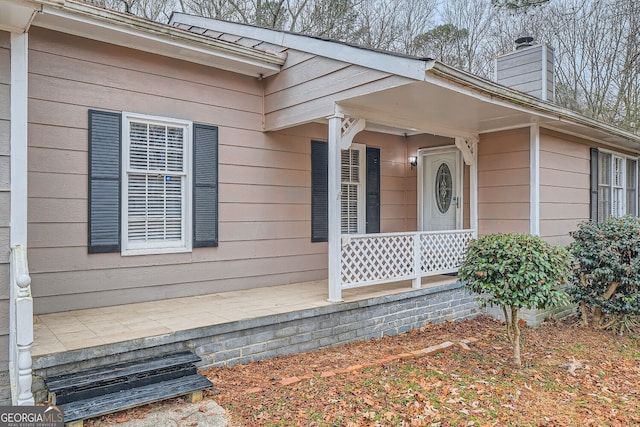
{"points": [[361, 187], [160, 247], [622, 202]]}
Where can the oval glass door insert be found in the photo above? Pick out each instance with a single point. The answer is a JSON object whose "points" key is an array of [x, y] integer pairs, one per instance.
{"points": [[444, 190]]}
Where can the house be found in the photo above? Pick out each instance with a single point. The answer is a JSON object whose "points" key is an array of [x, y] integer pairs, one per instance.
{"points": [[142, 162]]}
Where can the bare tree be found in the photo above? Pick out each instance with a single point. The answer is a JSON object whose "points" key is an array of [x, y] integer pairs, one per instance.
{"points": [[392, 24], [596, 42], [476, 17], [445, 43], [334, 19], [153, 10], [597, 58]]}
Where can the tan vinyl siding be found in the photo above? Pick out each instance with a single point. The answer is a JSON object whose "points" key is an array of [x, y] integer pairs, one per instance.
{"points": [[503, 182], [524, 70], [264, 178], [564, 185], [264, 199], [307, 87], [5, 194], [4, 356]]}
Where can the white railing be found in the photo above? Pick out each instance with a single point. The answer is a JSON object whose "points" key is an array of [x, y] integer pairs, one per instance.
{"points": [[21, 330], [371, 259]]}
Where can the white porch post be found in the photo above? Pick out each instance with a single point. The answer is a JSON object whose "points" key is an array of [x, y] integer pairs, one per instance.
{"points": [[416, 283], [19, 46], [473, 189], [21, 302], [333, 193], [341, 134], [534, 181], [469, 149]]}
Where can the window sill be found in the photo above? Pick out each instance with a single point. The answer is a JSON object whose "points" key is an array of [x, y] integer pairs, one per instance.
{"points": [[154, 251]]}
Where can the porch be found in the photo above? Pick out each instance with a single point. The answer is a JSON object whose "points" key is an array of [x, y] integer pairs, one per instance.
{"points": [[79, 329], [240, 326]]}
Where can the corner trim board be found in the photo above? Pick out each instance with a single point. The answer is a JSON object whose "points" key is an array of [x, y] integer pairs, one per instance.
{"points": [[534, 180]]}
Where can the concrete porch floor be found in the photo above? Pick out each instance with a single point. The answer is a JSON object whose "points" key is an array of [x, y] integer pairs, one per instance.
{"points": [[72, 330]]}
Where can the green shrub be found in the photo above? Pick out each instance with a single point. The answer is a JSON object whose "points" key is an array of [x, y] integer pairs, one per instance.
{"points": [[515, 271], [606, 275]]}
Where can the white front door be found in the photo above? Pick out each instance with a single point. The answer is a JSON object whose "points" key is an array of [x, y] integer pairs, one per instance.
{"points": [[441, 193]]}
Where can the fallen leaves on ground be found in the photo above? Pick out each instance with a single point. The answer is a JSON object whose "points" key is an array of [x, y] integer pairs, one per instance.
{"points": [[573, 376]]}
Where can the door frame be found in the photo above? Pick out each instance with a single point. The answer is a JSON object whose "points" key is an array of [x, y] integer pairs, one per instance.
{"points": [[422, 152]]}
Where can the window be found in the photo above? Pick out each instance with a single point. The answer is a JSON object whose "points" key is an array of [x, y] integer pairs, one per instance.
{"points": [[352, 189], [631, 187], [360, 190], [156, 201], [153, 184], [617, 185]]}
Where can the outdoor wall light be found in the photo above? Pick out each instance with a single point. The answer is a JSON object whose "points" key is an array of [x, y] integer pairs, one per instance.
{"points": [[413, 161]]}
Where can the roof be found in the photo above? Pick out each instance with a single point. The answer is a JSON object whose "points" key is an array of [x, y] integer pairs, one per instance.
{"points": [[391, 62], [93, 22], [481, 95]]}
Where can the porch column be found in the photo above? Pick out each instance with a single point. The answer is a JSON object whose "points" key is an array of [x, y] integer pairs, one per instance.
{"points": [[534, 169], [473, 190], [19, 43], [20, 300], [333, 193], [469, 149]]}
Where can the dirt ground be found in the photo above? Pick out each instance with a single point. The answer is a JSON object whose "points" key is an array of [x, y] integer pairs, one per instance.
{"points": [[572, 376]]}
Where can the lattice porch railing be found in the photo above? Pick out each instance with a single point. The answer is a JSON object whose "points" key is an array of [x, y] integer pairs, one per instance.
{"points": [[371, 259]]}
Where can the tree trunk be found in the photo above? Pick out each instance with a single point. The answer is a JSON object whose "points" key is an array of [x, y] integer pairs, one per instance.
{"points": [[515, 330], [612, 290], [612, 321], [583, 305], [585, 314], [508, 324], [597, 316]]}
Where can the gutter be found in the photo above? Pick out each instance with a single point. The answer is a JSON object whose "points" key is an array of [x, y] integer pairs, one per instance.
{"points": [[495, 90]]}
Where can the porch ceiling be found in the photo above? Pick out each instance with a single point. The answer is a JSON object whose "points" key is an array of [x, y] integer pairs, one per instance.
{"points": [[423, 107], [450, 109]]}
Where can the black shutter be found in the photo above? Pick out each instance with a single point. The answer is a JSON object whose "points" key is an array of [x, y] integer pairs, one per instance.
{"points": [[373, 190], [593, 199], [319, 191], [104, 181], [205, 186]]}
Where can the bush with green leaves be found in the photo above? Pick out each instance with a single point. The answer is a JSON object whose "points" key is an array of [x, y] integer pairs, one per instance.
{"points": [[516, 271], [606, 275]]}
